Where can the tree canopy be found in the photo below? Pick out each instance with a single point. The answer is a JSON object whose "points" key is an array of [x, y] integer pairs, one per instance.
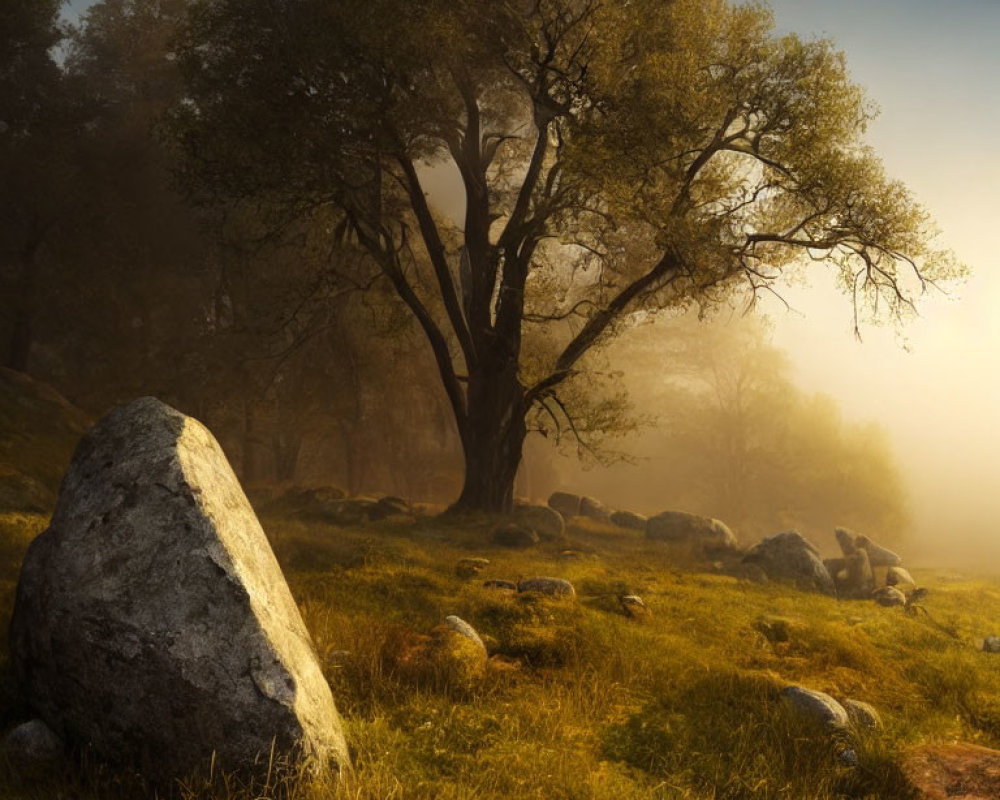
{"points": [[616, 159]]}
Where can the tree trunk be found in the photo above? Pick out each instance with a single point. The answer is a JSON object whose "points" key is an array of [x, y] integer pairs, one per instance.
{"points": [[492, 439]]}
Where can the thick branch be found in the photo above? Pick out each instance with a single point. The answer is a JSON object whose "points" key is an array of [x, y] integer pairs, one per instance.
{"points": [[669, 264], [436, 251]]}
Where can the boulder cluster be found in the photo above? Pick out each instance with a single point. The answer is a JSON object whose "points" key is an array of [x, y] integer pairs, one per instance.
{"points": [[705, 535]]}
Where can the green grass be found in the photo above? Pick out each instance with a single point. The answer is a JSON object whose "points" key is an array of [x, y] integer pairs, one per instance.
{"points": [[579, 701]]}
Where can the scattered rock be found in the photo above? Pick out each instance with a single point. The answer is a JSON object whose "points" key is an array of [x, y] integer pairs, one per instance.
{"points": [[878, 556], [557, 587], [629, 520], [515, 536], [816, 706], [845, 538], [391, 506], [634, 607], [568, 505], [862, 715], [709, 535], [463, 628], [889, 596], [471, 567], [592, 508], [790, 557], [776, 630], [33, 745], [953, 772], [899, 577], [546, 522], [455, 656], [848, 757], [858, 579], [152, 621], [506, 585], [991, 644]]}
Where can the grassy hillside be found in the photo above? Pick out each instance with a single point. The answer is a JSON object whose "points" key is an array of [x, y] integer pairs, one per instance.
{"points": [[39, 430], [579, 700]]}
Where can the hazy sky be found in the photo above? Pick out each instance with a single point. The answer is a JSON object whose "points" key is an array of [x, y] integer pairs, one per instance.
{"points": [[932, 66]]}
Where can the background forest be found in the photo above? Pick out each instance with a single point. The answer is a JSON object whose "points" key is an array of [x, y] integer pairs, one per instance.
{"points": [[115, 285]]}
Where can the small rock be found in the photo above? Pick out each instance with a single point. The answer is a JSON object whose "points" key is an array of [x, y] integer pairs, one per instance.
{"points": [[506, 585], [543, 520], [816, 706], [556, 587], [634, 607], [32, 745], [889, 596], [568, 505], [709, 535], [991, 644], [471, 567], [629, 520], [848, 757], [592, 508], [878, 556], [862, 715], [899, 577], [515, 536], [463, 628]]}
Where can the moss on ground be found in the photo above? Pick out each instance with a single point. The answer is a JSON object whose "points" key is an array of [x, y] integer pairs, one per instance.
{"points": [[579, 700]]}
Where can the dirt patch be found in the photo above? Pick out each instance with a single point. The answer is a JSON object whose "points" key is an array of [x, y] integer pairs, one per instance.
{"points": [[954, 772]]}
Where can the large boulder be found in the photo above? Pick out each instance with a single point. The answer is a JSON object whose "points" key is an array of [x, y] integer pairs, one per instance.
{"points": [[679, 527], [565, 503], [152, 622], [788, 556]]}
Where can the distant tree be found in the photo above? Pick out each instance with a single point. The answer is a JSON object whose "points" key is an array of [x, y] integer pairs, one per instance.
{"points": [[734, 438], [34, 116], [616, 159]]}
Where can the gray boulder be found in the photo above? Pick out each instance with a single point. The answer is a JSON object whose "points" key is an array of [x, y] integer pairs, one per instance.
{"points": [[152, 622], [463, 628], [629, 520], [788, 556], [543, 520], [32, 745], [557, 587], [565, 503], [878, 556], [679, 527], [856, 579], [515, 536], [592, 508], [898, 576], [889, 596], [816, 707], [991, 644], [845, 538], [862, 715]]}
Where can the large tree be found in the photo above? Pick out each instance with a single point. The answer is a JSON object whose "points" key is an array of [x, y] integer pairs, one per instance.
{"points": [[616, 158]]}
